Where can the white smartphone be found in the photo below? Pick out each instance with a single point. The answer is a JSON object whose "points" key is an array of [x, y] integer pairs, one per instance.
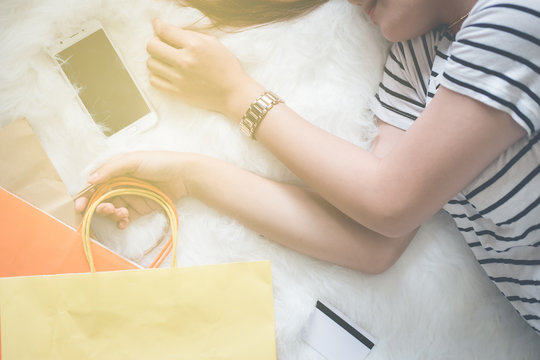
{"points": [[107, 91]]}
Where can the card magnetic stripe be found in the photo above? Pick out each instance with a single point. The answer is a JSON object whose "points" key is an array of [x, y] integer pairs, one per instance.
{"points": [[345, 325]]}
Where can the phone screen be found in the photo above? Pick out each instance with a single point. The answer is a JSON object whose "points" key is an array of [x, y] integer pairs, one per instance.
{"points": [[105, 87]]}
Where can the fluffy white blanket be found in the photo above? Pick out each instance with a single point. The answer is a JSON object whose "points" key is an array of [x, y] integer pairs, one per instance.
{"points": [[434, 303]]}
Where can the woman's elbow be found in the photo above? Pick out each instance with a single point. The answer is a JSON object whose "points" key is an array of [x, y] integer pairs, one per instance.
{"points": [[393, 220], [387, 254], [384, 262], [374, 269], [378, 265]]}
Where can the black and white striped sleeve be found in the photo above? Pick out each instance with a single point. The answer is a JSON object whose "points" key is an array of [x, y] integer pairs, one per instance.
{"points": [[402, 92], [496, 59]]}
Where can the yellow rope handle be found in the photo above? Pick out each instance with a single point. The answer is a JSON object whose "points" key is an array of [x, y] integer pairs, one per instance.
{"points": [[129, 186]]}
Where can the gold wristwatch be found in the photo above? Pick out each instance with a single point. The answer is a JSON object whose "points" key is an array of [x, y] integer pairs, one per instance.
{"points": [[256, 113]]}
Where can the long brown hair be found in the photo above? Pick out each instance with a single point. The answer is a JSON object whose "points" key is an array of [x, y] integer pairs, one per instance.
{"points": [[246, 13]]}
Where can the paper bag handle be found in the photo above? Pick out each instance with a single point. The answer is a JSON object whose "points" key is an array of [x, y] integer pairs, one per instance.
{"points": [[130, 186]]}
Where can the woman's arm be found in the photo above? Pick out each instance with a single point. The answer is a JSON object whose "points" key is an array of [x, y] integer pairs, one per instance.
{"points": [[290, 215], [293, 216]]}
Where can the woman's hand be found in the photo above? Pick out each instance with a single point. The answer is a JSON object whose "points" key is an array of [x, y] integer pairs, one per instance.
{"points": [[200, 70], [163, 169]]}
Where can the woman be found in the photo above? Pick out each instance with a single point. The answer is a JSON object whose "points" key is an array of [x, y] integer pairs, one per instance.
{"points": [[462, 79]]}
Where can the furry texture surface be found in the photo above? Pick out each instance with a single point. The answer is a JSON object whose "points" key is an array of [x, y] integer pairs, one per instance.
{"points": [[434, 303]]}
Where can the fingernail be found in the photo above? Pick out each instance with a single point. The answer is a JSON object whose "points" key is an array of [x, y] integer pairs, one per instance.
{"points": [[122, 224], [122, 213], [78, 204]]}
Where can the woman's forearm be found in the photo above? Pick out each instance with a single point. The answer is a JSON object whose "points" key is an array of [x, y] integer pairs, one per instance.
{"points": [[290, 215], [343, 173]]}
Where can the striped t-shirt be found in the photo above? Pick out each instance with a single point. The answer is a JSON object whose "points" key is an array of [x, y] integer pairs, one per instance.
{"points": [[495, 59]]}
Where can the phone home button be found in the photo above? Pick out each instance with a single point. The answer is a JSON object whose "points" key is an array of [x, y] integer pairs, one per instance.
{"points": [[132, 130]]}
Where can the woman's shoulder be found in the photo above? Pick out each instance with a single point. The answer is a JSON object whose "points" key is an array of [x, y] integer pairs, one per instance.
{"points": [[505, 4], [513, 26], [517, 13], [496, 58]]}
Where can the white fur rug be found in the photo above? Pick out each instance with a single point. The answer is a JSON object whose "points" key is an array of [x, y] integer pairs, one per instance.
{"points": [[435, 303]]}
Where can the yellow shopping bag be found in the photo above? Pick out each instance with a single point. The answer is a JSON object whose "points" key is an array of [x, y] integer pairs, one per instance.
{"points": [[205, 312]]}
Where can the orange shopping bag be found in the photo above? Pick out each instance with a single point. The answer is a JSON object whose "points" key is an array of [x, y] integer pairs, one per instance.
{"points": [[34, 243]]}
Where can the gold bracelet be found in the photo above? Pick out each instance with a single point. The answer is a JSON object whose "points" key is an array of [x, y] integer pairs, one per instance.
{"points": [[257, 112]]}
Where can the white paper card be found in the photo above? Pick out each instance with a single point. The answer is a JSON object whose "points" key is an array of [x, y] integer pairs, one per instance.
{"points": [[334, 336]]}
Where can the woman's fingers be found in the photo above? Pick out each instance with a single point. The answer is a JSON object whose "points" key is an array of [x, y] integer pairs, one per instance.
{"points": [[151, 166], [80, 203], [164, 85], [173, 35], [111, 211], [161, 69], [137, 205], [196, 67], [163, 76], [123, 210], [119, 215], [162, 51]]}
